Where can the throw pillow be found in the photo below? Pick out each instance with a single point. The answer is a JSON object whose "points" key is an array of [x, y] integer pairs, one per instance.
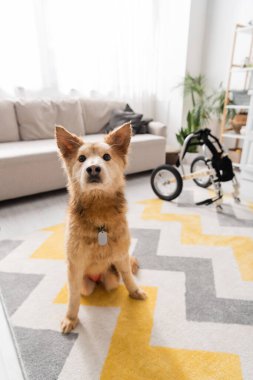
{"points": [[120, 117]]}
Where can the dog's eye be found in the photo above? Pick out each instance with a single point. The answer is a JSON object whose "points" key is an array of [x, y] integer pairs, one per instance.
{"points": [[106, 157], [81, 158]]}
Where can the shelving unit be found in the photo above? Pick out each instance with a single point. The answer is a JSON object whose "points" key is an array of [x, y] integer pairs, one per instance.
{"points": [[245, 29], [233, 135], [247, 157], [236, 107], [238, 69], [227, 132]]}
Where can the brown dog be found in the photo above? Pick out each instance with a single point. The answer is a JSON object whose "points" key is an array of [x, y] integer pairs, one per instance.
{"points": [[97, 234]]}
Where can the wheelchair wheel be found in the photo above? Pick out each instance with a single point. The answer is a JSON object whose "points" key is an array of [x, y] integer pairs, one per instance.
{"points": [[166, 182], [197, 164]]}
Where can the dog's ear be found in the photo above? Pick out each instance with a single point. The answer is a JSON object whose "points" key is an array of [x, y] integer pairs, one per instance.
{"points": [[67, 142], [120, 138]]}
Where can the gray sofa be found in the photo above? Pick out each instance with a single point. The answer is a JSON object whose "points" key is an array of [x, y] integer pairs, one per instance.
{"points": [[29, 162]]}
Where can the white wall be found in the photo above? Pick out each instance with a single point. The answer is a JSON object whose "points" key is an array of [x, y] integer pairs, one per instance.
{"points": [[171, 62], [221, 18], [211, 28], [195, 45], [184, 54]]}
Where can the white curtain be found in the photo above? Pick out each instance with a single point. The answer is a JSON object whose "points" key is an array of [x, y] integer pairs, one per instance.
{"points": [[126, 49], [105, 47], [19, 51]]}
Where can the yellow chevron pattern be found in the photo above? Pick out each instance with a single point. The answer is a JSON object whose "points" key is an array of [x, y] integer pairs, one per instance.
{"points": [[53, 246], [192, 234], [131, 357], [130, 342]]}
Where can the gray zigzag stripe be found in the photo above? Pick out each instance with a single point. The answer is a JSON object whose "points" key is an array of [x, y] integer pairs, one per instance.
{"points": [[228, 218], [202, 305], [6, 246], [186, 199], [43, 352], [16, 287]]}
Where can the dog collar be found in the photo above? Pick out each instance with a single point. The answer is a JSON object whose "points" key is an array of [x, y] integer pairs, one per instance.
{"points": [[102, 235]]}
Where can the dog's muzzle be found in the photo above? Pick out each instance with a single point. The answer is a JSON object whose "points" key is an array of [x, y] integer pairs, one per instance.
{"points": [[94, 174]]}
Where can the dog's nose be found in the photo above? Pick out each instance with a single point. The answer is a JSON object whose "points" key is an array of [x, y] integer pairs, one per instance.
{"points": [[93, 170]]}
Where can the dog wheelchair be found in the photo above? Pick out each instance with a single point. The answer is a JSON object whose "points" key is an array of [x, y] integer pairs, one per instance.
{"points": [[211, 168]]}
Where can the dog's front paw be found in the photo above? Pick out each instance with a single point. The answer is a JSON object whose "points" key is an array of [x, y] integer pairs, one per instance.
{"points": [[68, 325], [138, 294]]}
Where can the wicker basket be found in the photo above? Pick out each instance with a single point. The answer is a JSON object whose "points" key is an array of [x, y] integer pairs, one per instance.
{"points": [[238, 121], [235, 155]]}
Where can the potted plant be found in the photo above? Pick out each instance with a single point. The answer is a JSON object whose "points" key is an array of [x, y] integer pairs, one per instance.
{"points": [[218, 103], [204, 107], [200, 114], [192, 126]]}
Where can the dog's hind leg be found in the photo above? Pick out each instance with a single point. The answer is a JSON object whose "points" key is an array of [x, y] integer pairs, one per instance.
{"points": [[111, 278], [124, 267], [134, 264], [88, 286]]}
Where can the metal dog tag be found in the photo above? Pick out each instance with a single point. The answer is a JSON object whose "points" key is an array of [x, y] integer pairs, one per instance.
{"points": [[102, 237]]}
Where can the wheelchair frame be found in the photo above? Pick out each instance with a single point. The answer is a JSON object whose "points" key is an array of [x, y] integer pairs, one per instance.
{"points": [[219, 166]]}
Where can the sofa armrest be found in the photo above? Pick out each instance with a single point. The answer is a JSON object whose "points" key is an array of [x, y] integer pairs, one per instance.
{"points": [[157, 128]]}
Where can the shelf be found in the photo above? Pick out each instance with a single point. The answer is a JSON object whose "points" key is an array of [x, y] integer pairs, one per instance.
{"points": [[245, 29], [236, 107], [236, 165], [242, 102], [233, 135], [241, 69]]}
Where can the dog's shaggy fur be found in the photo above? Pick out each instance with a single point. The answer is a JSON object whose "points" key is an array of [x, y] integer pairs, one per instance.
{"points": [[96, 188]]}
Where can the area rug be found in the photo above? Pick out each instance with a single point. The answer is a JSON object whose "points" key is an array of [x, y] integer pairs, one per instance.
{"points": [[197, 324]]}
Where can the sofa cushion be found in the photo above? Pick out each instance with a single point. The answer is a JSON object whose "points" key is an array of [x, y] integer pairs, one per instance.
{"points": [[69, 115], [8, 122], [26, 150], [97, 113], [29, 167], [37, 118], [144, 148]]}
